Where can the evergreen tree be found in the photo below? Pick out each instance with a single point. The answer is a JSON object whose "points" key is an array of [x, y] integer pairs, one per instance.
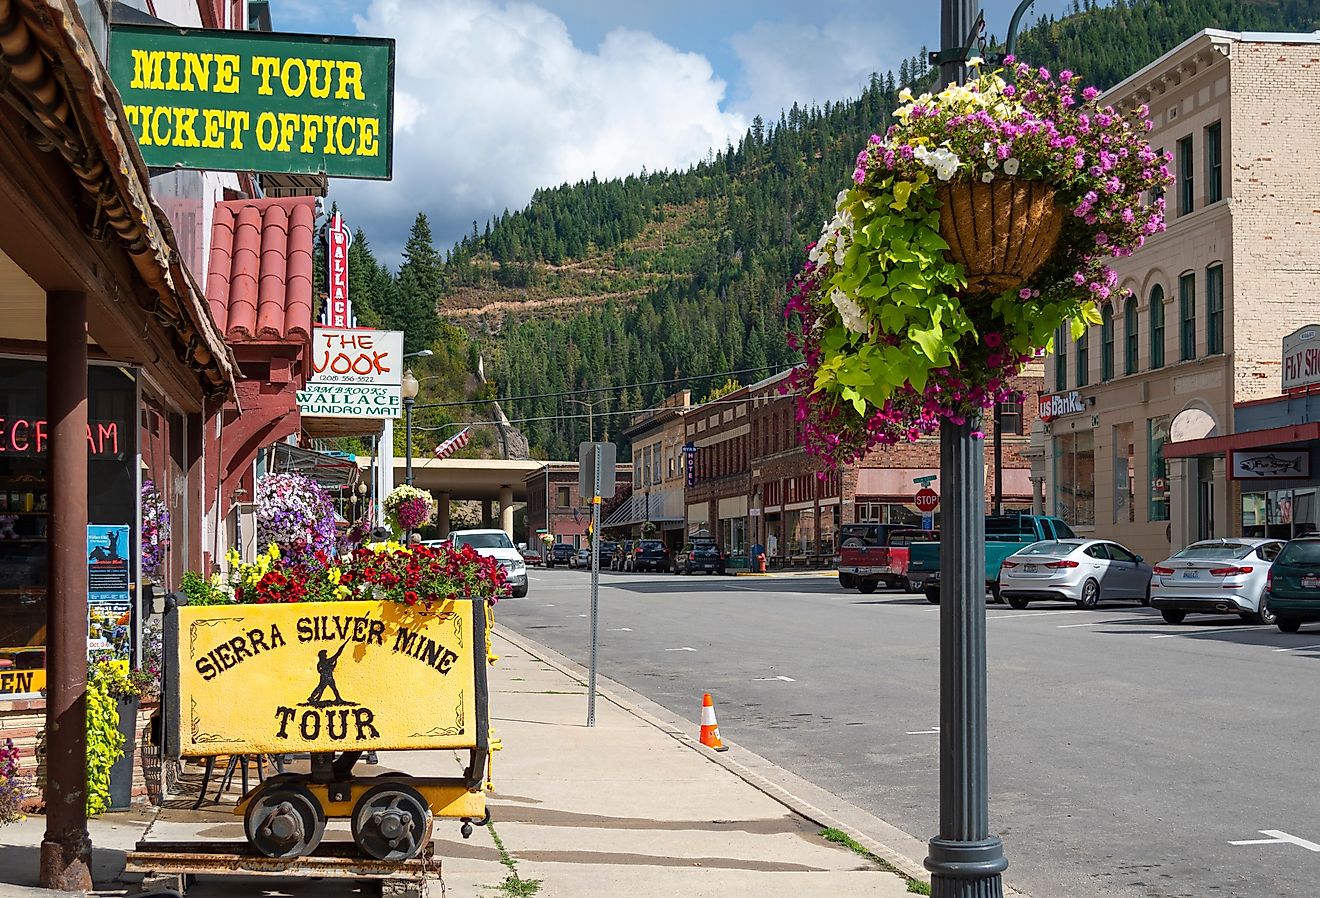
{"points": [[418, 289]]}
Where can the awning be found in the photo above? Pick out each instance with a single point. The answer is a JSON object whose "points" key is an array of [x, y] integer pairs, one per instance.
{"points": [[1250, 439], [634, 510], [334, 472]]}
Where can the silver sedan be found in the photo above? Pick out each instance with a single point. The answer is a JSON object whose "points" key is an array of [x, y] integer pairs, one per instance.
{"points": [[1085, 571], [1216, 576]]}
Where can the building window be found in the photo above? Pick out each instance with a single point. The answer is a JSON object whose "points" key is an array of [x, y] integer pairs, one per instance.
{"points": [[1074, 478], [1187, 317], [1157, 195], [562, 496], [1214, 163], [1107, 343], [1010, 417], [1082, 360], [1214, 309], [1186, 179], [1157, 434], [1060, 361], [1130, 336], [1156, 327]]}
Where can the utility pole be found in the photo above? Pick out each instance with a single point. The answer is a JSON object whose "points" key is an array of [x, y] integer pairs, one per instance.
{"points": [[965, 860]]}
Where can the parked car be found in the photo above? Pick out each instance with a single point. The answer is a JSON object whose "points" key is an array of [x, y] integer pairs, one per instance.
{"points": [[649, 555], [560, 553], [496, 544], [700, 555], [530, 556], [619, 559], [1004, 535], [1085, 571], [1293, 584], [864, 567], [1225, 576], [581, 559]]}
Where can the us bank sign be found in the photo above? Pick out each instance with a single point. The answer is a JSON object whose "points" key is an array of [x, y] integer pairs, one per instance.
{"points": [[1058, 405]]}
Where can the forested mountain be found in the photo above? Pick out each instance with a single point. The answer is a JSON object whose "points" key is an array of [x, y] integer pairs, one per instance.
{"points": [[671, 279]]}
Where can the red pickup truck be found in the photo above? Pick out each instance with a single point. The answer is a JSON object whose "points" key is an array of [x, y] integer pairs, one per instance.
{"points": [[865, 566]]}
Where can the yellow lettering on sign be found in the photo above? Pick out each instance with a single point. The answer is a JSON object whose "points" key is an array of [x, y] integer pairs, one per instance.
{"points": [[263, 67], [237, 121], [345, 147], [226, 73], [213, 120], [184, 121], [323, 67], [159, 139], [350, 73], [368, 132], [173, 57], [146, 69], [312, 127], [267, 131], [294, 76]]}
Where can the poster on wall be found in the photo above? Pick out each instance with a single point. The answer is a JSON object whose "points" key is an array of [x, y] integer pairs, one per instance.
{"points": [[109, 599]]}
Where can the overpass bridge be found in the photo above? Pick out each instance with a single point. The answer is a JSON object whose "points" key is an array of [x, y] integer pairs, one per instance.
{"points": [[486, 480]]}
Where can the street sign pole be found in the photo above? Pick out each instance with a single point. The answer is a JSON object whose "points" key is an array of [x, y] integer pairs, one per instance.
{"points": [[965, 859], [595, 585]]}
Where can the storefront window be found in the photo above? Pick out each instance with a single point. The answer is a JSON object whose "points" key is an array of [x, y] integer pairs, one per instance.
{"points": [[1279, 514], [1074, 461], [829, 528], [734, 535], [1157, 434], [25, 504]]}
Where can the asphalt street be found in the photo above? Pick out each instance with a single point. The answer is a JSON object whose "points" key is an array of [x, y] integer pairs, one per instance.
{"points": [[1126, 755]]}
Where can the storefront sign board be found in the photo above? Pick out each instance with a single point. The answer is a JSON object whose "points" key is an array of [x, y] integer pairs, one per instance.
{"points": [[329, 676], [1058, 405], [257, 101], [345, 355], [1270, 464], [349, 401], [338, 310], [1301, 358]]}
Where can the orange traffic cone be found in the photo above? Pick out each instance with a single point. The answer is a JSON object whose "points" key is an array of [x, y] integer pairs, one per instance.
{"points": [[710, 730]]}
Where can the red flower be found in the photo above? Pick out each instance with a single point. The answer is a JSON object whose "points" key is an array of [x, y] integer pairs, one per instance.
{"points": [[410, 597]]}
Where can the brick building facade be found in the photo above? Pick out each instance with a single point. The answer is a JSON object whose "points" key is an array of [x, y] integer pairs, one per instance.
{"points": [[554, 505]]}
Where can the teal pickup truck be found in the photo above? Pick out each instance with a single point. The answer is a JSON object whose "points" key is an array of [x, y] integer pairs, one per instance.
{"points": [[1004, 535]]}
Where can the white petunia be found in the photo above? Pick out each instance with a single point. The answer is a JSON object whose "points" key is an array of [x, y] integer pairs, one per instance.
{"points": [[1011, 166], [987, 177], [854, 317], [905, 95], [975, 62]]}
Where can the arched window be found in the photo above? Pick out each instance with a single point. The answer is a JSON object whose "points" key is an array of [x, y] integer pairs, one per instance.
{"points": [[1157, 327], [1130, 336], [1107, 343]]}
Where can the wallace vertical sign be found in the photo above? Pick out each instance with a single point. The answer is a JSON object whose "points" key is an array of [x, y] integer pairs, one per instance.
{"points": [[256, 101]]}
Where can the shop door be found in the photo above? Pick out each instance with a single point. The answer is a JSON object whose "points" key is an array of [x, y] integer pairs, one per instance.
{"points": [[1205, 492]]}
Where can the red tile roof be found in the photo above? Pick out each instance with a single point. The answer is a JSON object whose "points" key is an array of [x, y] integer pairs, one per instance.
{"points": [[259, 283]]}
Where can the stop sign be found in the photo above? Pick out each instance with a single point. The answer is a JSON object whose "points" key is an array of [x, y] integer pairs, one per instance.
{"points": [[926, 500]]}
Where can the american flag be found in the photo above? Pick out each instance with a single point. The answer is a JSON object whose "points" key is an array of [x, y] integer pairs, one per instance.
{"points": [[453, 444]]}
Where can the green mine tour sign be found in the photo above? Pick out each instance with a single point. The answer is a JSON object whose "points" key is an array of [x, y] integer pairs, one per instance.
{"points": [[255, 101]]}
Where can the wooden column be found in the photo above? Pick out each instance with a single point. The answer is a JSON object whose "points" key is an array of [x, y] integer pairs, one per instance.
{"points": [[66, 850]]}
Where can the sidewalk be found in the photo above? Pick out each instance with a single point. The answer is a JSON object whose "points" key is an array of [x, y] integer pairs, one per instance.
{"points": [[624, 808]]}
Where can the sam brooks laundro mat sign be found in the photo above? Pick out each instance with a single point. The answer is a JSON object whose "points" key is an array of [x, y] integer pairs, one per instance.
{"points": [[255, 101], [344, 676]]}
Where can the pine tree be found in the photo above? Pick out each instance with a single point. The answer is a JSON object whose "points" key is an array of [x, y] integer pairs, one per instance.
{"points": [[419, 285]]}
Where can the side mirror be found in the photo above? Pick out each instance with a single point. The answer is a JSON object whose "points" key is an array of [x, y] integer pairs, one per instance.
{"points": [[1140, 559]]}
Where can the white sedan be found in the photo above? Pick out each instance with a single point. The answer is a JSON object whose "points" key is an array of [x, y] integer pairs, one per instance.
{"points": [[1223, 576], [1085, 571]]}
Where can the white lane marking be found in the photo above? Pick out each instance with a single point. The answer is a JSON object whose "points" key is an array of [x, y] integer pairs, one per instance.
{"points": [[620, 629], [551, 605], [747, 588], [772, 679], [1278, 837], [933, 731], [686, 648], [1193, 633], [1034, 614], [1297, 648], [1096, 623], [581, 615]]}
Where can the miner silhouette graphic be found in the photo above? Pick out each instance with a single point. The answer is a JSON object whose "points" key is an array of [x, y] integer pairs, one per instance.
{"points": [[325, 666]]}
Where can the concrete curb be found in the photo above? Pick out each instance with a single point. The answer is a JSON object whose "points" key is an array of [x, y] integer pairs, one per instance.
{"points": [[801, 797]]}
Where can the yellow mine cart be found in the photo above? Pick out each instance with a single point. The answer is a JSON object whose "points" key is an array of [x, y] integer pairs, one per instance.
{"points": [[335, 679]]}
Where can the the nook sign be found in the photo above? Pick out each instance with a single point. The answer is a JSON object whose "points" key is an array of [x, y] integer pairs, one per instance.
{"points": [[255, 101], [334, 676]]}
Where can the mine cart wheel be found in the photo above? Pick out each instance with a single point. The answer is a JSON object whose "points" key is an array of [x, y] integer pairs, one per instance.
{"points": [[392, 822], [284, 820]]}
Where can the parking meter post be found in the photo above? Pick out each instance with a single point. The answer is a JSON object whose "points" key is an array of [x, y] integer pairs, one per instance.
{"points": [[594, 547]]}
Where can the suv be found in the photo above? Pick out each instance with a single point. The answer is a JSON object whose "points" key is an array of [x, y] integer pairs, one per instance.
{"points": [[700, 555], [496, 544], [649, 555], [1293, 588], [560, 553]]}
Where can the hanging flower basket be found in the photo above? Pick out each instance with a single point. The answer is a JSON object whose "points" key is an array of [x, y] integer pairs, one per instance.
{"points": [[976, 228], [1001, 233]]}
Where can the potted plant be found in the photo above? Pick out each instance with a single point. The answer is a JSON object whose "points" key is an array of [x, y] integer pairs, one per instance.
{"points": [[408, 508], [155, 531], [975, 227], [295, 513]]}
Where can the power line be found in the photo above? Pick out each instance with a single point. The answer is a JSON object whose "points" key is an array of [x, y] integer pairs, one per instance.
{"points": [[586, 390]]}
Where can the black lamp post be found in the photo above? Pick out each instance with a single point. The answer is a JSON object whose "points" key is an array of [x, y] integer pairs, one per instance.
{"points": [[408, 390]]}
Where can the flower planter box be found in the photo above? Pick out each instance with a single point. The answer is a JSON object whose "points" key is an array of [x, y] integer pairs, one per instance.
{"points": [[326, 677]]}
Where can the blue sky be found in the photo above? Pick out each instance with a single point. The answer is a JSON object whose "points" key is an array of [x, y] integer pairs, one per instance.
{"points": [[495, 99]]}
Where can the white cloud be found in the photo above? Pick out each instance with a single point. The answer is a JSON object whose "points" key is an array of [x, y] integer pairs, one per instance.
{"points": [[493, 100], [784, 62]]}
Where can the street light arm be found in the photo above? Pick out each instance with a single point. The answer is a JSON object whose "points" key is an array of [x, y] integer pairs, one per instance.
{"points": [[1010, 41]]}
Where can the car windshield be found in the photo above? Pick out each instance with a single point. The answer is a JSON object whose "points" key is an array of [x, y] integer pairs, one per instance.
{"points": [[497, 540], [607, 547], [1301, 551], [650, 544], [1052, 547], [1216, 550]]}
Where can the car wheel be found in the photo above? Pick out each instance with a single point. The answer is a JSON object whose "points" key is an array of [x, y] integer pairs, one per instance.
{"points": [[520, 592], [912, 587], [995, 597], [1262, 614], [1287, 624], [933, 596], [1173, 616], [1145, 600], [848, 581], [1018, 602], [866, 587], [1090, 595]]}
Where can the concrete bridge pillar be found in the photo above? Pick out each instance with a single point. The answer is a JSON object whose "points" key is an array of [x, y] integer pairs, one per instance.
{"points": [[506, 510]]}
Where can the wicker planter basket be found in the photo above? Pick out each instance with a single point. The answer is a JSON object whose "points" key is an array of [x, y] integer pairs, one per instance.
{"points": [[1001, 232]]}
